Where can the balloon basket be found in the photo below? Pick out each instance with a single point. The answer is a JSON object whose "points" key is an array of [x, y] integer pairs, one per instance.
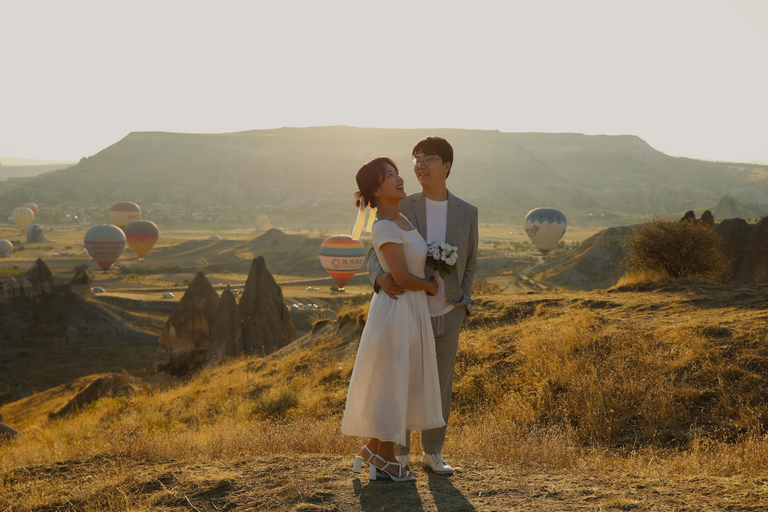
{"points": [[341, 289]]}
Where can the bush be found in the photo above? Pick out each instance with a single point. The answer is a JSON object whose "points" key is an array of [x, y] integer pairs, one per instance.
{"points": [[483, 287], [676, 249]]}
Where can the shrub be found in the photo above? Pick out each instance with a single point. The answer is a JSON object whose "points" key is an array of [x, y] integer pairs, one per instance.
{"points": [[483, 287], [676, 249]]}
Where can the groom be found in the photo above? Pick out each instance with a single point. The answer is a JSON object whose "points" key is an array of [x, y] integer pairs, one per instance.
{"points": [[439, 216]]}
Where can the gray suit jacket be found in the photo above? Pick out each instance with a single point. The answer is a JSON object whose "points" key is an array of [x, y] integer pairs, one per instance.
{"points": [[461, 231]]}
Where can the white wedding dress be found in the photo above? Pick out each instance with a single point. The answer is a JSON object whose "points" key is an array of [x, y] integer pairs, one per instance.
{"points": [[394, 384]]}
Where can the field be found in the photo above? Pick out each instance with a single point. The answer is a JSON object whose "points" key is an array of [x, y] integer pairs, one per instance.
{"points": [[191, 248], [633, 398]]}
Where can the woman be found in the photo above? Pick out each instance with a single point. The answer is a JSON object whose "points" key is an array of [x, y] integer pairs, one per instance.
{"points": [[394, 384]]}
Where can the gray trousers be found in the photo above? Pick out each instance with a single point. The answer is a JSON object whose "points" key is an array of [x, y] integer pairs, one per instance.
{"points": [[446, 328]]}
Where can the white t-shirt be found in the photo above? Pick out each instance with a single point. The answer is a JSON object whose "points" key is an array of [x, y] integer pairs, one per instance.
{"points": [[437, 220]]}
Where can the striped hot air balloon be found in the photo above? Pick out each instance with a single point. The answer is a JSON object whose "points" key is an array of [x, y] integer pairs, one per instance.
{"points": [[141, 236], [105, 243], [31, 206], [23, 216], [263, 223], [545, 227], [341, 257], [123, 213]]}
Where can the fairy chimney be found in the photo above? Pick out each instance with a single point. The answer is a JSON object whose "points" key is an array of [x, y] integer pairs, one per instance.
{"points": [[264, 319], [190, 325], [707, 219], [81, 282], [40, 276], [226, 338]]}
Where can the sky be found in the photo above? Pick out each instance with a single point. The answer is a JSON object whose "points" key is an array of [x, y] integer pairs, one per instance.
{"points": [[690, 77]]}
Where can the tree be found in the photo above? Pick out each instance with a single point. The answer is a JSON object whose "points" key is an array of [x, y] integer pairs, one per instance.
{"points": [[676, 249]]}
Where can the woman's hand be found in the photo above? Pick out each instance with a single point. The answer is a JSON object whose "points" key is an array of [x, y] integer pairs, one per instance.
{"points": [[432, 288]]}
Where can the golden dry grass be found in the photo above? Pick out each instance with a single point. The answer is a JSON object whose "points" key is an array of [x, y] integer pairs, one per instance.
{"points": [[665, 385]]}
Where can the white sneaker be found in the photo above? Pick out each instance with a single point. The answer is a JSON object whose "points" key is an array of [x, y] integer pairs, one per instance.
{"points": [[436, 463], [403, 460]]}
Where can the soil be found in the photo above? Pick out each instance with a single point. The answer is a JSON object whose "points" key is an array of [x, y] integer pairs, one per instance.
{"points": [[314, 483]]}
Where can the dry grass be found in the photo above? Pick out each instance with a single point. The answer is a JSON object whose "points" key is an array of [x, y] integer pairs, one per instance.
{"points": [[562, 388]]}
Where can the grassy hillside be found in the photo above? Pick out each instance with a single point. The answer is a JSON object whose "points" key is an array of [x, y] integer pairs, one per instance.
{"points": [[304, 177], [58, 338], [610, 399]]}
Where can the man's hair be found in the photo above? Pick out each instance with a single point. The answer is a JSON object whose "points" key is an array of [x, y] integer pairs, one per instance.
{"points": [[371, 176], [435, 146]]}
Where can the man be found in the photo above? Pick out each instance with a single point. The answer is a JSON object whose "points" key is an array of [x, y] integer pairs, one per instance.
{"points": [[439, 216]]}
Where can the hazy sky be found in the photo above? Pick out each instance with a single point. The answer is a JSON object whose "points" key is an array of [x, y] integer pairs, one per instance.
{"points": [[688, 76]]}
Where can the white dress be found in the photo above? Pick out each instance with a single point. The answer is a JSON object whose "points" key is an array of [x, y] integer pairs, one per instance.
{"points": [[394, 384]]}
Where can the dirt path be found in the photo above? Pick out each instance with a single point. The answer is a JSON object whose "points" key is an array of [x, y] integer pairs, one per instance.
{"points": [[313, 483]]}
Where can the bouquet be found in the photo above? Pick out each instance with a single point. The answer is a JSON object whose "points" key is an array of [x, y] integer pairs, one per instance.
{"points": [[441, 257]]}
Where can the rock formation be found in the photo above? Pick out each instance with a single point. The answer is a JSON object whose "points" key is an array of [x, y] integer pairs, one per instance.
{"points": [[746, 247], [226, 338], [264, 319], [7, 433], [706, 218], [24, 286], [204, 327], [40, 276], [81, 283], [689, 216], [191, 323], [116, 384], [596, 263]]}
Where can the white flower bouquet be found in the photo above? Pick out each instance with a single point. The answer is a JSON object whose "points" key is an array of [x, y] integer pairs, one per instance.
{"points": [[442, 257]]}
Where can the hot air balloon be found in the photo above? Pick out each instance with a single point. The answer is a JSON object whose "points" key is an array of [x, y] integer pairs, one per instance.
{"points": [[341, 257], [123, 213], [35, 234], [105, 243], [6, 249], [141, 236], [263, 223], [23, 216], [31, 206], [545, 227]]}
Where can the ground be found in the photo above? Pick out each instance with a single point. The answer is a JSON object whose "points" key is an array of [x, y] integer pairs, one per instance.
{"points": [[326, 483]]}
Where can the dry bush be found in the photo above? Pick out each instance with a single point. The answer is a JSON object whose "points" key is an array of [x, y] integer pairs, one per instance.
{"points": [[354, 313], [676, 249], [484, 287]]}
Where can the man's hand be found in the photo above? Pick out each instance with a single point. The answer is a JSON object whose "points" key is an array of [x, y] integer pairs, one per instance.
{"points": [[388, 285], [432, 290]]}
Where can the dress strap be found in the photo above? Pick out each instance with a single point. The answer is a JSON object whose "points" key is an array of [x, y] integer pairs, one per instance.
{"points": [[407, 220]]}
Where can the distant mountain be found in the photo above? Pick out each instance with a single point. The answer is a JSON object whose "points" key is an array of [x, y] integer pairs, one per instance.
{"points": [[18, 168], [304, 177]]}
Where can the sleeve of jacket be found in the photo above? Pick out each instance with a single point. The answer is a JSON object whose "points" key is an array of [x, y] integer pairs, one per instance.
{"points": [[469, 271], [374, 268]]}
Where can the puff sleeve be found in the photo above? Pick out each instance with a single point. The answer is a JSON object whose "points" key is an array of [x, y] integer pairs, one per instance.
{"points": [[385, 232]]}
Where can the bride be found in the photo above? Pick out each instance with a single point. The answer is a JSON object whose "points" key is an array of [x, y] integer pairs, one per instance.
{"points": [[394, 384]]}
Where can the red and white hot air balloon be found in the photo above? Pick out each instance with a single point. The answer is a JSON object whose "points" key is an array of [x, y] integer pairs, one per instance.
{"points": [[105, 243]]}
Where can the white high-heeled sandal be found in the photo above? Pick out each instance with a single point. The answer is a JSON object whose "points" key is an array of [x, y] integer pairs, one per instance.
{"points": [[357, 466], [376, 471]]}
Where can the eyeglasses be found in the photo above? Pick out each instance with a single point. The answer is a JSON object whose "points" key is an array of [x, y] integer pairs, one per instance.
{"points": [[417, 162]]}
